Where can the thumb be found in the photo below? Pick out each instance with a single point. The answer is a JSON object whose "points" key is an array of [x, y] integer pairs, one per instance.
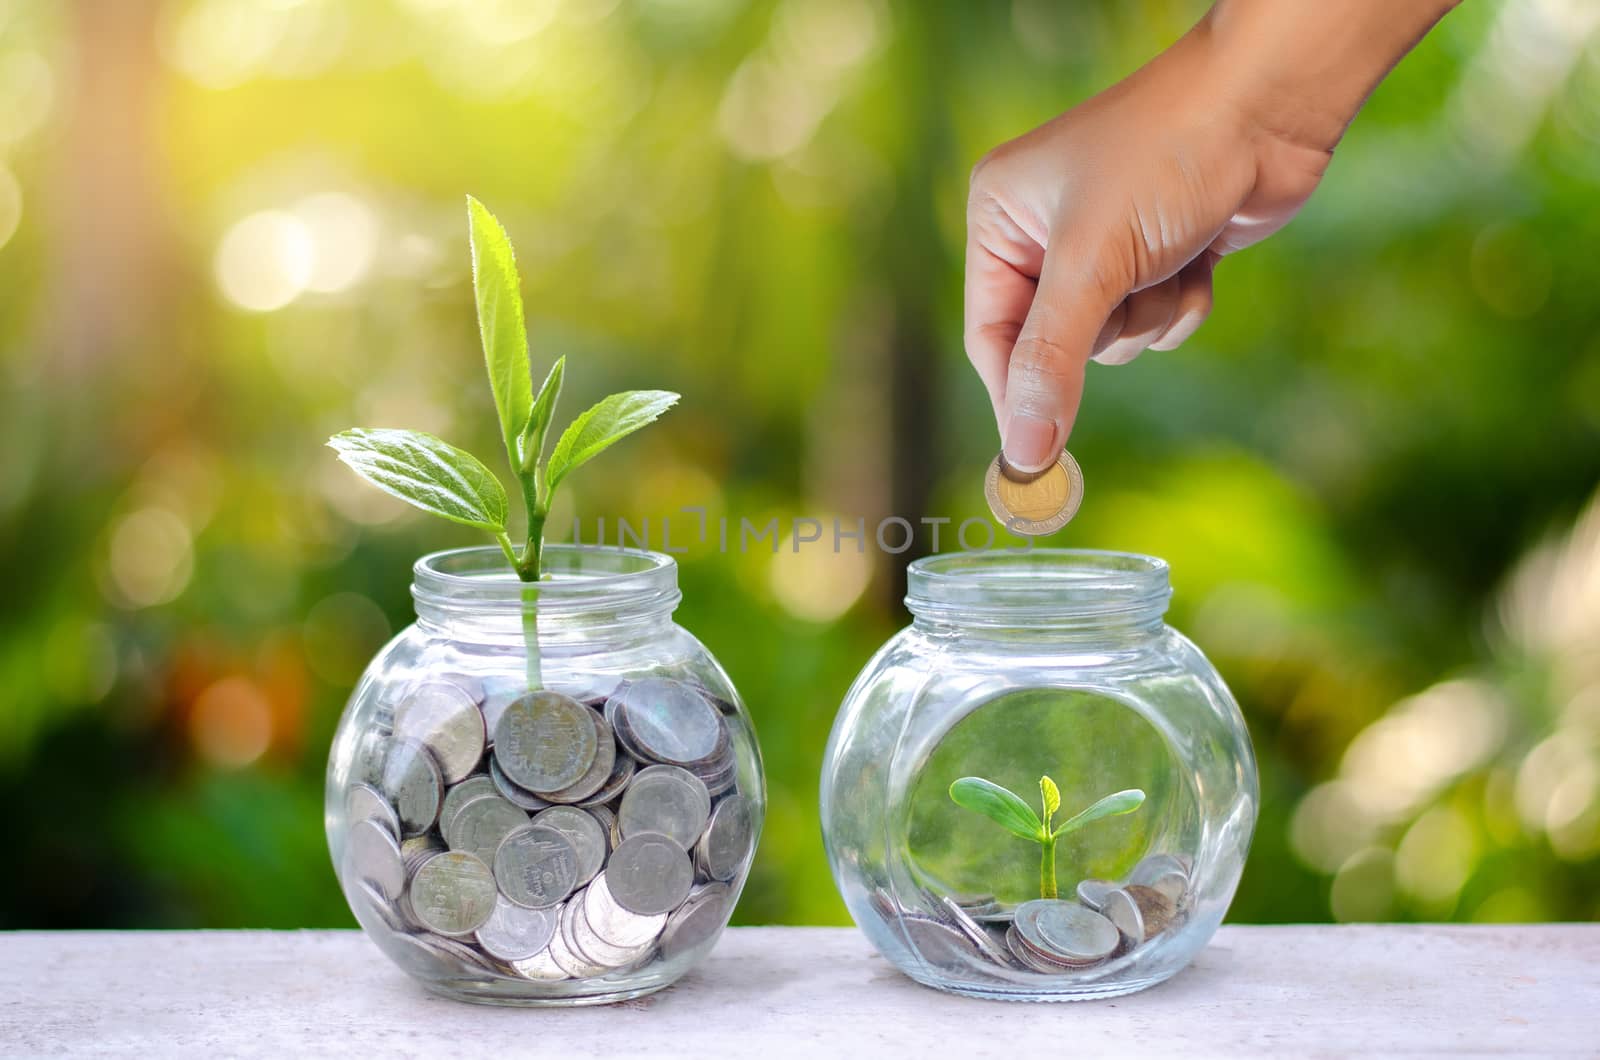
{"points": [[1044, 379]]}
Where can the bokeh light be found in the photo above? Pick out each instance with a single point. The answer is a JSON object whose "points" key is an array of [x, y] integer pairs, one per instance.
{"points": [[151, 557], [266, 260], [231, 723], [816, 583]]}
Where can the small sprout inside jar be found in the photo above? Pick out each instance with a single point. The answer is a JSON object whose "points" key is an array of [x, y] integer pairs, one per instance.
{"points": [[1009, 811]]}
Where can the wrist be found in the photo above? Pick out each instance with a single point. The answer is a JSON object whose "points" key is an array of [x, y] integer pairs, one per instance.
{"points": [[1301, 69]]}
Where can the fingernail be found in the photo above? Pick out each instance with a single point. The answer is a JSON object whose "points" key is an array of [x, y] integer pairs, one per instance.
{"points": [[1030, 441]]}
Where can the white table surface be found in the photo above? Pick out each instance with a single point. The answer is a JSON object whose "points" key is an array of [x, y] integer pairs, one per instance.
{"points": [[777, 992]]}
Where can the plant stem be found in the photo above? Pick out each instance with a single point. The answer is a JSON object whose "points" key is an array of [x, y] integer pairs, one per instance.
{"points": [[1047, 867], [533, 552], [530, 633], [530, 604], [504, 541], [528, 571]]}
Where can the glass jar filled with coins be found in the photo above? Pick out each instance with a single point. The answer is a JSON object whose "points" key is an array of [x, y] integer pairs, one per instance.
{"points": [[544, 793], [1038, 790]]}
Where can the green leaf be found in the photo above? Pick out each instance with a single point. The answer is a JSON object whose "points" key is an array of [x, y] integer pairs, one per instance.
{"points": [[1050, 797], [999, 805], [431, 474], [603, 425], [500, 323], [544, 404], [1110, 806]]}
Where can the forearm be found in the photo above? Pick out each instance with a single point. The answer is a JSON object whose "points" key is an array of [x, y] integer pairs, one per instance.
{"points": [[1303, 68]]}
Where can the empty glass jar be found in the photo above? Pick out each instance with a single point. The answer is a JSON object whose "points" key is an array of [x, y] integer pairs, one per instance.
{"points": [[544, 793], [1038, 790]]}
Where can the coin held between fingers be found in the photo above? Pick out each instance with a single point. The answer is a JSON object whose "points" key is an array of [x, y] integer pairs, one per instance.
{"points": [[1034, 503]]}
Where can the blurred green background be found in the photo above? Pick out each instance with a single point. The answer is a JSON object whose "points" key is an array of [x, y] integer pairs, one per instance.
{"points": [[229, 228]]}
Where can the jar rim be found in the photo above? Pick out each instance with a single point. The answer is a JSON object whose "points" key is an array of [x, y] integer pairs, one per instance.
{"points": [[583, 578], [1038, 583]]}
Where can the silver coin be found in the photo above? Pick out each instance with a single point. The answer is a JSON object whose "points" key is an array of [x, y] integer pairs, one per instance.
{"points": [[621, 773], [618, 720], [372, 855], [565, 957], [415, 849], [667, 800], [938, 944], [452, 893], [462, 957], [447, 720], [512, 792], [540, 967], [608, 822], [371, 755], [499, 692], [1065, 930], [599, 771], [412, 781], [1120, 908], [727, 839], [536, 866], [1028, 957], [649, 874], [592, 690], [364, 897], [513, 933], [458, 795], [1093, 893], [721, 778], [363, 802], [615, 924], [671, 722], [723, 705], [545, 741], [469, 684], [697, 921], [1156, 910], [482, 824], [583, 939], [973, 904], [973, 931], [1164, 872], [588, 837]]}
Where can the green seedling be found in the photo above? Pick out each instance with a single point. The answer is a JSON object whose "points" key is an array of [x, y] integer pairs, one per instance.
{"points": [[451, 483], [1007, 809]]}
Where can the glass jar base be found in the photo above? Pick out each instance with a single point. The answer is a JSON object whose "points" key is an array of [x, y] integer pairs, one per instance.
{"points": [[478, 993], [1087, 992]]}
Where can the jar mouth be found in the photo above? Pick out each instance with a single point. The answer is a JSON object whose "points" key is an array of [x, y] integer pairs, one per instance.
{"points": [[580, 579], [1039, 584]]}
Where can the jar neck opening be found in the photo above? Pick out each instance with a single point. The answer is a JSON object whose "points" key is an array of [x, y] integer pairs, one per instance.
{"points": [[584, 587], [1084, 591]]}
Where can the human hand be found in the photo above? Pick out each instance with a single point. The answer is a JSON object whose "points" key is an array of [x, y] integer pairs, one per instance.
{"points": [[1095, 235]]}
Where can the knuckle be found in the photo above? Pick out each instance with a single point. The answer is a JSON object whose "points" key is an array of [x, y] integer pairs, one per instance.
{"points": [[1041, 366], [984, 166], [992, 332]]}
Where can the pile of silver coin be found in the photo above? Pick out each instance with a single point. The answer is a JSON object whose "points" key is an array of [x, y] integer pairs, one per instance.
{"points": [[1052, 936], [536, 836]]}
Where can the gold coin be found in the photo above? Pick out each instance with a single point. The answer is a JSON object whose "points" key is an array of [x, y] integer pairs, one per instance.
{"points": [[1038, 503]]}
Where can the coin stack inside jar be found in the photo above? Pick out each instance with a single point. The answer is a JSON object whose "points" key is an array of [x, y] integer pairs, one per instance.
{"points": [[1052, 936], [535, 836]]}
